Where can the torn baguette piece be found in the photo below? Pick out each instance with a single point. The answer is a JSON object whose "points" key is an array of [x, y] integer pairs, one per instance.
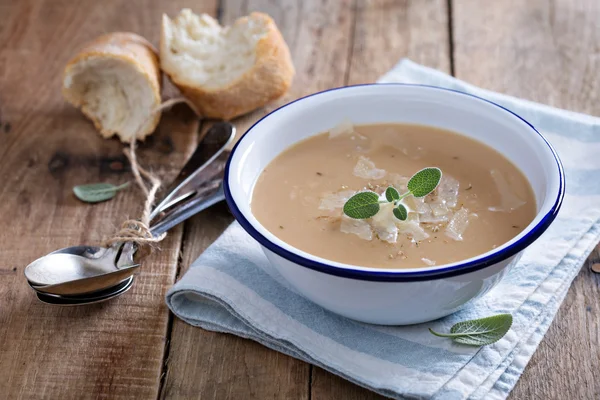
{"points": [[225, 71], [115, 81]]}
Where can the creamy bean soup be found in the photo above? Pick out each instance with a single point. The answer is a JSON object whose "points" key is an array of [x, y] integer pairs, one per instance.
{"points": [[481, 202]]}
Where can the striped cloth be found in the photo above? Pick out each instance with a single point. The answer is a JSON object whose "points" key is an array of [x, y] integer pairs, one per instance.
{"points": [[231, 287]]}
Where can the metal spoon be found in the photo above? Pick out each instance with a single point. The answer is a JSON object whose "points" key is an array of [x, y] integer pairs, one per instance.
{"points": [[97, 297], [85, 270], [197, 191]]}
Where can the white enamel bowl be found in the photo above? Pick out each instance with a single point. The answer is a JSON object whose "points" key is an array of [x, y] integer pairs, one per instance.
{"points": [[402, 296]]}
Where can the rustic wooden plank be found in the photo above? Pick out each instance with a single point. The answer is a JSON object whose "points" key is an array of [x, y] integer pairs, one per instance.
{"points": [[388, 30], [325, 386], [217, 366], [384, 32], [544, 51], [547, 52], [111, 350]]}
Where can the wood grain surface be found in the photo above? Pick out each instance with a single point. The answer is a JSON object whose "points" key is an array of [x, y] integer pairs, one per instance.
{"points": [[132, 347], [545, 51], [110, 350]]}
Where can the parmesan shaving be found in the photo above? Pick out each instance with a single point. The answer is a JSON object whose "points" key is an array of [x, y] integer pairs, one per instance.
{"points": [[509, 201], [429, 213], [384, 225], [411, 228], [447, 191], [398, 181], [344, 127], [458, 224], [365, 169], [359, 227], [332, 201]]}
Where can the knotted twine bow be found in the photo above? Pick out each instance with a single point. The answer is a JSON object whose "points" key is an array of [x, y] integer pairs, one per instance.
{"points": [[137, 231]]}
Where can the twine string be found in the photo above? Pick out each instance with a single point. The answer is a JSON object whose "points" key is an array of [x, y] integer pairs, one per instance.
{"points": [[138, 231]]}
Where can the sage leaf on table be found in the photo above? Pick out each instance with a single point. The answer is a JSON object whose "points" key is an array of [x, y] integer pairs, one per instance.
{"points": [[362, 205], [97, 192], [479, 332]]}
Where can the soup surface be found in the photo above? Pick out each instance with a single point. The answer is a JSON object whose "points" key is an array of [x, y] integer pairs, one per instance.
{"points": [[482, 200]]}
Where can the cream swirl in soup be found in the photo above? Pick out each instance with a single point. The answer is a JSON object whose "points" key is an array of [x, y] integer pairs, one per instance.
{"points": [[482, 200]]}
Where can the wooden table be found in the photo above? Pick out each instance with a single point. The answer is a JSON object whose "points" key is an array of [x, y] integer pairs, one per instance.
{"points": [[132, 347]]}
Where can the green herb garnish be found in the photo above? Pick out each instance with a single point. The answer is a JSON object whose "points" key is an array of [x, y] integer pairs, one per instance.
{"points": [[366, 204], [479, 332], [391, 194], [362, 205], [400, 212], [424, 182], [97, 192]]}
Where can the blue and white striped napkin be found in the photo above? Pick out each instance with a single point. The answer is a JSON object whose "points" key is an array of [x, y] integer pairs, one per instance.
{"points": [[232, 289]]}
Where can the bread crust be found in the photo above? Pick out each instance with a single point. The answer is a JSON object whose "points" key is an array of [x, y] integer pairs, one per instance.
{"points": [[268, 79], [130, 48]]}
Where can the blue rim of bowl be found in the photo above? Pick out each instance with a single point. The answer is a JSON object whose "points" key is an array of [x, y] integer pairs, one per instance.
{"points": [[398, 275]]}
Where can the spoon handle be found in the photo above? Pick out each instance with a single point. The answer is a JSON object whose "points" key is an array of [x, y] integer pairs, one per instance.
{"points": [[200, 172], [189, 209]]}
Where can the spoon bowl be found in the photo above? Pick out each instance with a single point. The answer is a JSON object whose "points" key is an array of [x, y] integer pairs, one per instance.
{"points": [[81, 269], [66, 265], [91, 284], [83, 251], [91, 298]]}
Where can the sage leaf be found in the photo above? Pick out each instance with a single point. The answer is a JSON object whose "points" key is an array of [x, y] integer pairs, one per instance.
{"points": [[362, 205], [97, 192], [391, 194], [366, 204], [401, 212], [424, 182], [479, 332]]}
